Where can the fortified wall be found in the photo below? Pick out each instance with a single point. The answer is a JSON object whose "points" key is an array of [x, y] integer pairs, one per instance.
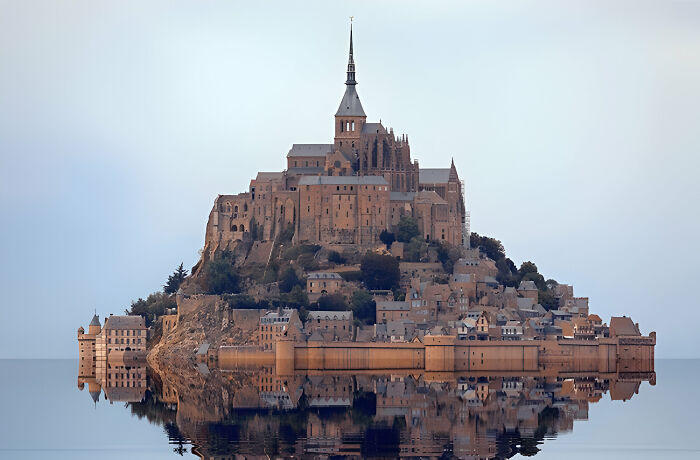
{"points": [[446, 354]]}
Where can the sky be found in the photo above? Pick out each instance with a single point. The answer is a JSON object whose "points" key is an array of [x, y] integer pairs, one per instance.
{"points": [[573, 124]]}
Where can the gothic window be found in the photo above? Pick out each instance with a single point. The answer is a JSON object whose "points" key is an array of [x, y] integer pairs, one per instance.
{"points": [[242, 228], [235, 208], [245, 207], [353, 129]]}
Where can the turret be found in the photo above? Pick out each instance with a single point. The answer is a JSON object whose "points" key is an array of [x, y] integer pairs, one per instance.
{"points": [[95, 327]]}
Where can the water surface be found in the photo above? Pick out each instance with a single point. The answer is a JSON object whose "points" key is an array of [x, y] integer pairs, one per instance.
{"points": [[256, 413]]}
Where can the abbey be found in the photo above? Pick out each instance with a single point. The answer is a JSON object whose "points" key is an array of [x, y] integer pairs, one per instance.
{"points": [[346, 192]]}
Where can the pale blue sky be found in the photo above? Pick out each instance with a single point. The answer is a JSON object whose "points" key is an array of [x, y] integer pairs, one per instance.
{"points": [[574, 124]]}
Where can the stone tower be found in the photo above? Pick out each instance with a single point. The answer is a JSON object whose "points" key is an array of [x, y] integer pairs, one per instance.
{"points": [[350, 117]]}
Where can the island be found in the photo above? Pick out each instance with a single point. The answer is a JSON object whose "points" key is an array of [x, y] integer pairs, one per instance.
{"points": [[354, 258]]}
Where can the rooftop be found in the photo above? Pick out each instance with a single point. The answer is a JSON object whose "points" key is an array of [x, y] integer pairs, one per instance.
{"points": [[392, 305], [309, 150], [323, 275], [343, 180], [125, 322], [334, 315], [434, 175]]}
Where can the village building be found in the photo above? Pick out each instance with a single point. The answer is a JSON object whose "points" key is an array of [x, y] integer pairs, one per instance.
{"points": [[320, 283], [332, 325], [529, 290], [392, 310], [274, 324], [123, 333]]}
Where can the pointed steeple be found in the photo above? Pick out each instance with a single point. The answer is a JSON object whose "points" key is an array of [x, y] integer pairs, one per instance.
{"points": [[350, 104], [351, 64]]}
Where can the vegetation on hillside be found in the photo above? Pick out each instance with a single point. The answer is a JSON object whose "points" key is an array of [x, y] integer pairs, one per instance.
{"points": [[509, 275], [379, 271]]}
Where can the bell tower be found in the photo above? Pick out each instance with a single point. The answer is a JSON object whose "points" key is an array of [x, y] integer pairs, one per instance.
{"points": [[350, 117]]}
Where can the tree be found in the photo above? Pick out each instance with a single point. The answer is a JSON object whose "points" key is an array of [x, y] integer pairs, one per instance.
{"points": [[408, 229], [527, 267], [363, 306], [175, 280], [506, 272], [387, 238], [221, 278], [155, 305], [547, 300], [335, 258], [380, 272], [332, 302], [308, 262], [296, 298], [492, 247], [289, 279], [415, 249]]}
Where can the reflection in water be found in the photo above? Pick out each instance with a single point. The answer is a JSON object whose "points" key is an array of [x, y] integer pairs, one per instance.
{"points": [[220, 413]]}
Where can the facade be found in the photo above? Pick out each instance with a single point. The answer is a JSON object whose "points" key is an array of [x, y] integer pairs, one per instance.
{"points": [[344, 192], [332, 325], [124, 333], [273, 326], [391, 310], [323, 283]]}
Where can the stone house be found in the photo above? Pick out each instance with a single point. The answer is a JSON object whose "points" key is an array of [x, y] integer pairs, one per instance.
{"points": [[392, 311], [528, 289], [124, 333], [274, 324], [332, 325], [319, 283]]}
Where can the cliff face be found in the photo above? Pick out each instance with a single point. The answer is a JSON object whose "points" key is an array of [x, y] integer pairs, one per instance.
{"points": [[205, 319]]}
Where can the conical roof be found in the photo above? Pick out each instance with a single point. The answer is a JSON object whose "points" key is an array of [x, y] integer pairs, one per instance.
{"points": [[95, 321], [350, 105]]}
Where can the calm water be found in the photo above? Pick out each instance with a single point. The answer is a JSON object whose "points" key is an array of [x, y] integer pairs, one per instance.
{"points": [[255, 414]]}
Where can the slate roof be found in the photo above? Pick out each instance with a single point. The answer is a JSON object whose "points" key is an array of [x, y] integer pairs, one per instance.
{"points": [[392, 305], [350, 105], [309, 150], [368, 128], [401, 196], [343, 180], [125, 322], [309, 170], [433, 175], [527, 286], [429, 196], [324, 276], [95, 321], [334, 315], [266, 176]]}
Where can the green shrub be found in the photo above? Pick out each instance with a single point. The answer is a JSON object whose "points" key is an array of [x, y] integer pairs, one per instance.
{"points": [[380, 272]]}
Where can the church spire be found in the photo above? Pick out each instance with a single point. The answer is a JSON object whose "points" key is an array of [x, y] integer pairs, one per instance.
{"points": [[351, 62]]}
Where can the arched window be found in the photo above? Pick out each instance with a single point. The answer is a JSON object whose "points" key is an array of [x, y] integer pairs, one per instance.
{"points": [[242, 228], [245, 207], [235, 208], [234, 228]]}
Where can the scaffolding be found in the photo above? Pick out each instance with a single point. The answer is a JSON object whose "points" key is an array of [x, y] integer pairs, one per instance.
{"points": [[466, 219]]}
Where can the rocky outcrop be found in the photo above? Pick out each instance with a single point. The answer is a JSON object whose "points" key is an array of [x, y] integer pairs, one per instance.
{"points": [[205, 319]]}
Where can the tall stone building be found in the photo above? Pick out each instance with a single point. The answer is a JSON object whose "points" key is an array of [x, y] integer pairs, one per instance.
{"points": [[346, 192]]}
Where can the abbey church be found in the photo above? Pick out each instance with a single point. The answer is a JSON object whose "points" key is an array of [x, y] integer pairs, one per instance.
{"points": [[346, 192]]}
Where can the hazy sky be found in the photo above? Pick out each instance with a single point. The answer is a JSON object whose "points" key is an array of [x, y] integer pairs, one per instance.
{"points": [[576, 126]]}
